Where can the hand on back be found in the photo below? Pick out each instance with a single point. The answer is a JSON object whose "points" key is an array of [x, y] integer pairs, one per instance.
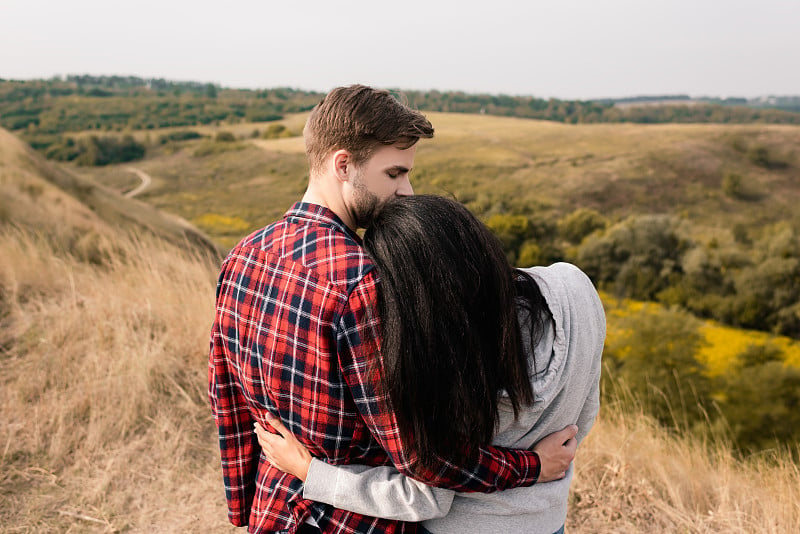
{"points": [[283, 451], [556, 452]]}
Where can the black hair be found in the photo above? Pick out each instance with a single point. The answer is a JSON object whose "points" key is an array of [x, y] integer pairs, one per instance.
{"points": [[451, 342]]}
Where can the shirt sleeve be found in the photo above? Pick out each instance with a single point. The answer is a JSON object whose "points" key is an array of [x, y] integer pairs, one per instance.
{"points": [[493, 469], [375, 491], [238, 443]]}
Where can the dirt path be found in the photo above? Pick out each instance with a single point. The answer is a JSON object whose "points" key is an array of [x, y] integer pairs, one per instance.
{"points": [[146, 181]]}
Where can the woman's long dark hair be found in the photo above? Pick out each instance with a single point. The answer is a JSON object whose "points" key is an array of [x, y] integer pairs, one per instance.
{"points": [[449, 305]]}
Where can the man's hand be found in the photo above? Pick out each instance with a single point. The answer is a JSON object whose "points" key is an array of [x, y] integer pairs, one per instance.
{"points": [[556, 452]]}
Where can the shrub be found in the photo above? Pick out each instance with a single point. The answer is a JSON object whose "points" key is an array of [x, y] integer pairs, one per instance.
{"points": [[735, 186], [225, 137], [275, 131], [761, 156], [580, 223], [653, 352], [181, 135], [97, 151], [762, 401], [638, 257]]}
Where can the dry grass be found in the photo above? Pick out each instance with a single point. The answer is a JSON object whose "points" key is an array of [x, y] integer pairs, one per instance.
{"points": [[634, 476], [103, 405]]}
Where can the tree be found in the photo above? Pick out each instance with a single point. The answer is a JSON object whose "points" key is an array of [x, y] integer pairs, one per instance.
{"points": [[512, 230], [580, 223], [654, 356], [638, 257], [762, 399]]}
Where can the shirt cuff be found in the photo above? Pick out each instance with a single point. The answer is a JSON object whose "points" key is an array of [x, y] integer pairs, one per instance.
{"points": [[320, 484], [528, 466]]}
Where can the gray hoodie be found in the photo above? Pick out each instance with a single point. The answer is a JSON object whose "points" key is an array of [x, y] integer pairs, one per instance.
{"points": [[565, 373]]}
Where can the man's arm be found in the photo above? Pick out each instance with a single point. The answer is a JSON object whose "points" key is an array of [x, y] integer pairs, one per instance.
{"points": [[494, 468], [237, 441]]}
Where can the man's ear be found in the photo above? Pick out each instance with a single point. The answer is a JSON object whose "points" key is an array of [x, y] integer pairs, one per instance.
{"points": [[342, 162]]}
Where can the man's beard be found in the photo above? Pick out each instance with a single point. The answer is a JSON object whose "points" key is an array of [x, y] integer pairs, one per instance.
{"points": [[365, 204]]}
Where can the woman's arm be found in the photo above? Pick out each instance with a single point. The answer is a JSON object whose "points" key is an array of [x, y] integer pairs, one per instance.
{"points": [[375, 491]]}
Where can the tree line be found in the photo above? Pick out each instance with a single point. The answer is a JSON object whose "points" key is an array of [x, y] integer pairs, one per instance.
{"points": [[752, 282], [43, 111], [652, 354], [731, 111]]}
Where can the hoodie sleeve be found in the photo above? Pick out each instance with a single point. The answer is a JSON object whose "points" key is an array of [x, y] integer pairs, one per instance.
{"points": [[375, 491]]}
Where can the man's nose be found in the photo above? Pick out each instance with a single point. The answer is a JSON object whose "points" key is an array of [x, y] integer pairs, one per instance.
{"points": [[405, 190]]}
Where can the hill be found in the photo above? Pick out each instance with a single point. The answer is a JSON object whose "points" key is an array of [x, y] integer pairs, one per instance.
{"points": [[102, 334], [504, 165], [42, 197], [700, 218], [617, 169], [47, 113]]}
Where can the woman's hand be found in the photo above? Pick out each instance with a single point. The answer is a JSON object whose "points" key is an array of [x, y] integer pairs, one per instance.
{"points": [[284, 451]]}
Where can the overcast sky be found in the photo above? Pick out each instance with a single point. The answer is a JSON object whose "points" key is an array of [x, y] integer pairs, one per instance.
{"points": [[554, 48]]}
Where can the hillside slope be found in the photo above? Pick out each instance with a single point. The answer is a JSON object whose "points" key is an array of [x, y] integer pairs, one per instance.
{"points": [[41, 196], [103, 336], [517, 165], [500, 165]]}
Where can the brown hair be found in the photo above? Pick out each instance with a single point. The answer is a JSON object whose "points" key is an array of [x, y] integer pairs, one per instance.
{"points": [[358, 118]]}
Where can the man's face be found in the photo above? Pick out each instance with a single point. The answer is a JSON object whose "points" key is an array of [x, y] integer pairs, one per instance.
{"points": [[381, 177]]}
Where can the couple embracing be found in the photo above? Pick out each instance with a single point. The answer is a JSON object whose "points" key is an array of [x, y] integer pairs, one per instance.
{"points": [[412, 381]]}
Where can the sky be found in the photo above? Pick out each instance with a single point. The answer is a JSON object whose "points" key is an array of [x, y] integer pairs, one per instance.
{"points": [[569, 49]]}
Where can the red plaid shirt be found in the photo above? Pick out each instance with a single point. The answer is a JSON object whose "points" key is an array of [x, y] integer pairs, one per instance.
{"points": [[294, 334]]}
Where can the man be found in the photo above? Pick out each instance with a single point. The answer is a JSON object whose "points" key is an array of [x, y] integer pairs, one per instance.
{"points": [[295, 332]]}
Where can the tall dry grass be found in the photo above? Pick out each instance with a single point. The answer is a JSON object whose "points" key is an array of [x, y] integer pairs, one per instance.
{"points": [[105, 426], [633, 475], [105, 422]]}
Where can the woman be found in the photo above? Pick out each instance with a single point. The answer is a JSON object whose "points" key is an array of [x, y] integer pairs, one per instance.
{"points": [[473, 351]]}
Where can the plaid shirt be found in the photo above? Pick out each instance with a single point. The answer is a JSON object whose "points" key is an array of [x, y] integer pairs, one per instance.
{"points": [[294, 334]]}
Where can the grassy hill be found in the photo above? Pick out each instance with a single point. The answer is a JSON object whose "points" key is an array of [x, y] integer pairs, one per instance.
{"points": [[105, 422], [103, 329], [713, 196], [39, 195], [702, 217]]}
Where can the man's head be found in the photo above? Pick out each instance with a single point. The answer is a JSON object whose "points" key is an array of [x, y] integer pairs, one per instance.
{"points": [[361, 142], [360, 119]]}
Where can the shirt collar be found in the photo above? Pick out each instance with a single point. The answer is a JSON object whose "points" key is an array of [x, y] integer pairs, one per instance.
{"points": [[319, 215]]}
